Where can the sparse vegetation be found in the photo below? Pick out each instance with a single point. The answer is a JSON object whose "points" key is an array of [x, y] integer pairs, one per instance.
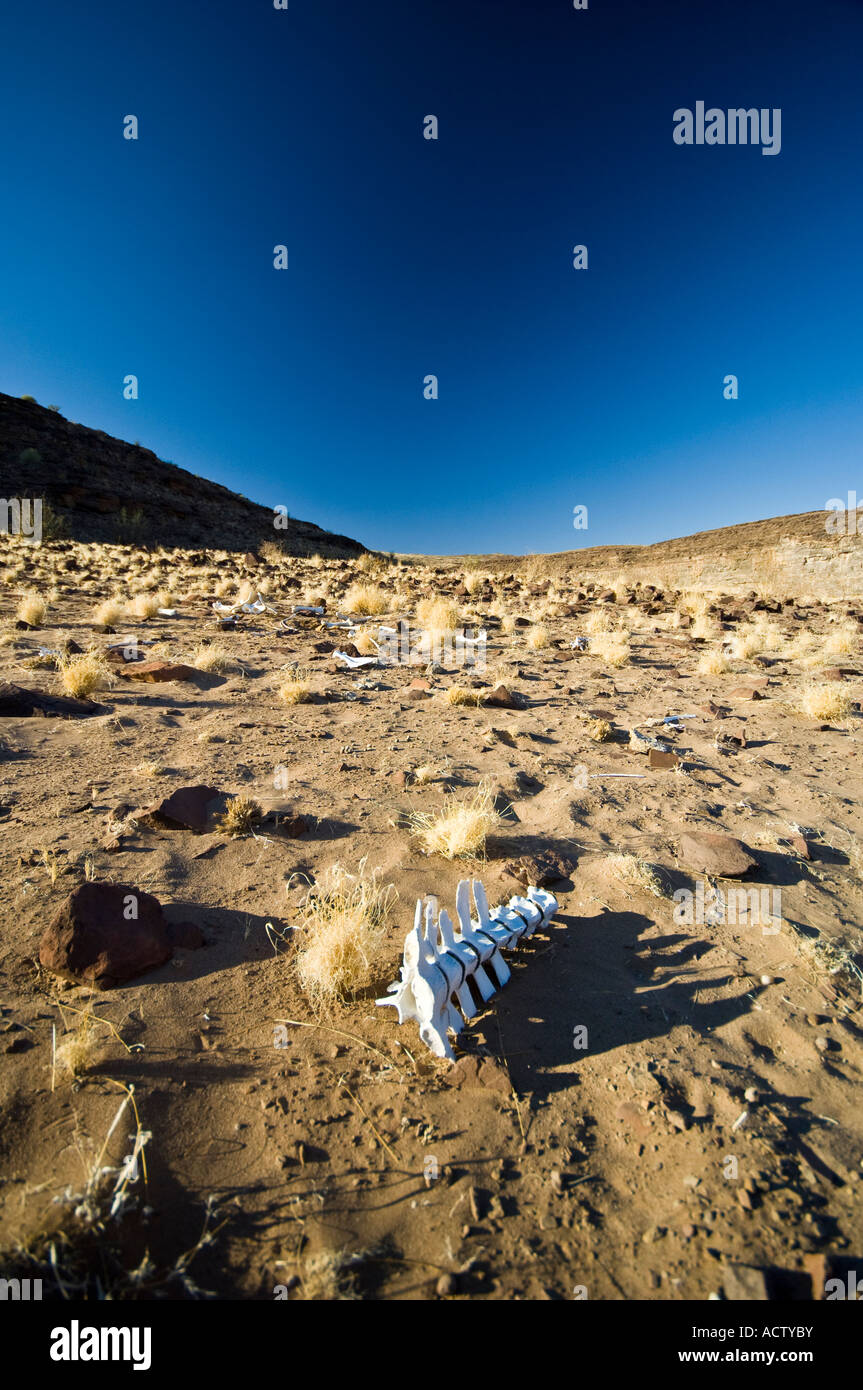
{"points": [[460, 829], [341, 930]]}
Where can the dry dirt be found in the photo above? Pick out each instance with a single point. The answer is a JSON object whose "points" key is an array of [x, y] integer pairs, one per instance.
{"points": [[348, 1162]]}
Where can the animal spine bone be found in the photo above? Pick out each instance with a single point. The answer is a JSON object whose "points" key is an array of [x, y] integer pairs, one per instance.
{"points": [[438, 962]]}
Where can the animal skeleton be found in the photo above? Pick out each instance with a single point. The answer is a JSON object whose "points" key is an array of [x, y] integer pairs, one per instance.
{"points": [[438, 963]]}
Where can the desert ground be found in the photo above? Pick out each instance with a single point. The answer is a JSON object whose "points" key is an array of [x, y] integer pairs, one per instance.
{"points": [[648, 1104]]}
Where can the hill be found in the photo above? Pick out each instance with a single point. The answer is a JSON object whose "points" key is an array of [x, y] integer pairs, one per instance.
{"points": [[103, 489]]}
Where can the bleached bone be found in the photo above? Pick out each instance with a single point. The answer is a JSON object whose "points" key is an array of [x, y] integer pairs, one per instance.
{"points": [[258, 606], [355, 663], [438, 964]]}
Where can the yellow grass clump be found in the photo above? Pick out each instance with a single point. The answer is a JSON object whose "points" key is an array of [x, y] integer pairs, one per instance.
{"points": [[438, 616], [464, 695], [611, 647], [211, 656], [538, 638], [32, 609], [241, 813], [823, 702], [144, 606], [296, 687], [109, 612], [459, 829], [365, 600], [341, 932], [82, 673], [713, 663]]}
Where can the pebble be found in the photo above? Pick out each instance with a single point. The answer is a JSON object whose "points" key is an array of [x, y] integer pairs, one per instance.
{"points": [[446, 1286]]}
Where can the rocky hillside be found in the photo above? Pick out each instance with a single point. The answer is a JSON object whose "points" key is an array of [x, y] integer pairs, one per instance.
{"points": [[99, 488], [782, 555]]}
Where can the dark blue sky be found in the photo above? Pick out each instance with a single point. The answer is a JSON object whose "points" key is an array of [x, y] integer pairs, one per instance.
{"points": [[453, 257]]}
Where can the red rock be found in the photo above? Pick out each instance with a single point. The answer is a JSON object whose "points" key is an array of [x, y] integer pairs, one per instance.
{"points": [[499, 698], [19, 702], [93, 938], [540, 870], [190, 808], [800, 845], [745, 692], [158, 671], [711, 853]]}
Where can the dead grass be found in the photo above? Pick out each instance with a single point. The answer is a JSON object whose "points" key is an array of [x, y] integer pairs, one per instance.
{"points": [[460, 829], [108, 613], [538, 638], [438, 616], [365, 600], [636, 873], [611, 647], [464, 695], [241, 814], [143, 606], [713, 663], [212, 656], [826, 702], [82, 673], [296, 686], [341, 933], [32, 609]]}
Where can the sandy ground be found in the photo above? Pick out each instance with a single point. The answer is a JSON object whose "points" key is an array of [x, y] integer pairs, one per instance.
{"points": [[350, 1161]]}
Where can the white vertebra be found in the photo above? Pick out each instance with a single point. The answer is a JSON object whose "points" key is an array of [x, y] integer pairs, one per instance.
{"points": [[438, 964]]}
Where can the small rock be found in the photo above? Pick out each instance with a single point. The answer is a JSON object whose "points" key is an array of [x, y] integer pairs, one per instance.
{"points": [[711, 853], [446, 1286]]}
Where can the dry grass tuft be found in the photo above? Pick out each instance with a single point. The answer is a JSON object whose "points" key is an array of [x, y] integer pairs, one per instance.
{"points": [[538, 638], [636, 873], [823, 702], [464, 695], [296, 687], [714, 663], [241, 813], [438, 616], [109, 613], [365, 600], [341, 933], [32, 609], [144, 606], [82, 673], [461, 829], [611, 647], [212, 656]]}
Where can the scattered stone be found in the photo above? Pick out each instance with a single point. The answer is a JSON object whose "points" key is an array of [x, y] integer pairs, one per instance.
{"points": [[158, 671], [92, 939], [800, 845], [188, 808], [500, 698], [540, 870], [19, 702], [711, 853], [746, 692], [663, 762], [446, 1286]]}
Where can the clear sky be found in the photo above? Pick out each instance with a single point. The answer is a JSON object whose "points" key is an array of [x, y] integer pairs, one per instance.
{"points": [[408, 256]]}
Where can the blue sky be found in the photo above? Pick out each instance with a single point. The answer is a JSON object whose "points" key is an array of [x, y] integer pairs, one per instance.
{"points": [[454, 257]]}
